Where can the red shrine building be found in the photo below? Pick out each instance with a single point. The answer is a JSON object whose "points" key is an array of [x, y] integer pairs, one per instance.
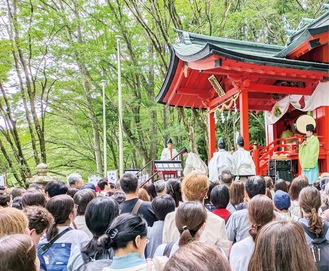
{"points": [[289, 83]]}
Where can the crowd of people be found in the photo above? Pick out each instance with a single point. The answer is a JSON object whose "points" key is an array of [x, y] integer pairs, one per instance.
{"points": [[192, 223], [183, 224]]}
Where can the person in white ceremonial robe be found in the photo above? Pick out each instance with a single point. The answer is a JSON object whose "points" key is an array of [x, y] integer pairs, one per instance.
{"points": [[221, 160], [244, 166], [169, 153], [193, 163]]}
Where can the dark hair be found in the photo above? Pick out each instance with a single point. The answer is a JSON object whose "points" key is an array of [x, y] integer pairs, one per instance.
{"points": [[17, 192], [288, 127], [310, 201], [280, 184], [33, 197], [226, 177], [18, 253], [296, 186], [4, 198], [163, 205], [255, 185], [124, 229], [174, 189], [102, 183], [35, 186], [129, 183], [55, 187], [39, 218], [82, 198], [280, 246], [196, 256], [17, 203], [99, 215], [211, 187], [236, 192], [150, 189], [260, 212], [60, 207], [220, 196], [310, 128], [72, 191], [189, 218]]}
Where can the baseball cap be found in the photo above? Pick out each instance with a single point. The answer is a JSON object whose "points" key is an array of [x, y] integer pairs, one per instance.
{"points": [[281, 200]]}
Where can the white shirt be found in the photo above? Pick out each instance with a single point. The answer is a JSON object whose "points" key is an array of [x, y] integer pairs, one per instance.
{"points": [[165, 155], [222, 160], [243, 163], [195, 164]]}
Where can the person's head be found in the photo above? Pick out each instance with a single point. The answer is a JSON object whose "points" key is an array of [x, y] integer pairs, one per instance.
{"points": [[296, 186], [226, 177], [62, 209], [280, 184], [194, 187], [184, 151], [288, 127], [281, 200], [174, 189], [255, 185], [196, 256], [75, 180], [221, 143], [103, 184], [129, 183], [82, 198], [240, 141], [5, 198], [269, 182], [163, 205], [17, 192], [99, 215], [143, 195], [39, 221], [89, 186], [281, 245], [310, 129], [119, 196], [210, 188], [236, 193], [220, 196], [127, 231], [13, 221], [169, 143], [18, 253], [55, 187], [36, 186], [33, 197], [72, 191], [150, 189], [260, 212], [190, 218], [160, 187], [17, 203], [310, 201]]}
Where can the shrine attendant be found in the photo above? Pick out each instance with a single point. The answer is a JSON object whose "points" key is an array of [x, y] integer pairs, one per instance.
{"points": [[193, 163], [168, 153], [309, 155]]}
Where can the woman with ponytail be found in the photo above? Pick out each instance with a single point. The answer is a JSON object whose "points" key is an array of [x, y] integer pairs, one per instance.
{"points": [[99, 215], [127, 236], [190, 219], [260, 212], [310, 202]]}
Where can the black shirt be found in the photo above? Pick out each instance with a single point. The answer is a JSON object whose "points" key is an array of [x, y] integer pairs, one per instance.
{"points": [[145, 210]]}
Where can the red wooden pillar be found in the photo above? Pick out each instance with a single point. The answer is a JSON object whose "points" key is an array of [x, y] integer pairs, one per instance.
{"points": [[211, 134], [244, 117]]}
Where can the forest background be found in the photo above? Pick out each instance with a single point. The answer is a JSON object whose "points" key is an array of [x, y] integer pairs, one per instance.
{"points": [[55, 54]]}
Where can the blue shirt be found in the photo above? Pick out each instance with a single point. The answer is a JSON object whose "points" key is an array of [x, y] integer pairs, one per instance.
{"points": [[127, 261]]}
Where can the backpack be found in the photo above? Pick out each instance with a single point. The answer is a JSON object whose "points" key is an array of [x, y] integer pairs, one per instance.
{"points": [[96, 263], [168, 249], [319, 247], [56, 255]]}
